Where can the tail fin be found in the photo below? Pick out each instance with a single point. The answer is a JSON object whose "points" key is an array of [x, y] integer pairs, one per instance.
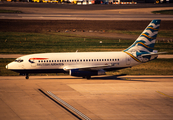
{"points": [[144, 44], [146, 41]]}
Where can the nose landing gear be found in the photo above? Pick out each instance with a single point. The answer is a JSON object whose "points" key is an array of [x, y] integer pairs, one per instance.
{"points": [[27, 76], [23, 74]]}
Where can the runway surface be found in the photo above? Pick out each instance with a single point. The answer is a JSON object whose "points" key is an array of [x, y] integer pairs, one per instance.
{"points": [[41, 11], [102, 97], [82, 16]]}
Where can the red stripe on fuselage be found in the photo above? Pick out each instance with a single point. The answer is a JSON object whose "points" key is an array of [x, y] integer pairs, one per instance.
{"points": [[38, 58]]}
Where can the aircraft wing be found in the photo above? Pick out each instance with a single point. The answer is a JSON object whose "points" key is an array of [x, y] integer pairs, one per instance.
{"points": [[87, 67]]}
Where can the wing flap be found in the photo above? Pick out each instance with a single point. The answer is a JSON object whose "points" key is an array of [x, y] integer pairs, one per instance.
{"points": [[87, 67]]}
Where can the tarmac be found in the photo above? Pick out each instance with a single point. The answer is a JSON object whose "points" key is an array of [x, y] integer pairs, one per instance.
{"points": [[73, 16], [42, 11], [100, 98]]}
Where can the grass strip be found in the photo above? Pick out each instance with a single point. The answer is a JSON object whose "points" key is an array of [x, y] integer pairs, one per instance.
{"points": [[10, 11], [167, 12], [162, 33], [29, 43], [3, 70], [155, 67]]}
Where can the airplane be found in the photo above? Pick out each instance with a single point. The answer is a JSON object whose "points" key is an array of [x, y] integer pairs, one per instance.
{"points": [[87, 64]]}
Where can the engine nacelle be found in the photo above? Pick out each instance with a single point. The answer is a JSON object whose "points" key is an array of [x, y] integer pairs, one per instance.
{"points": [[78, 73]]}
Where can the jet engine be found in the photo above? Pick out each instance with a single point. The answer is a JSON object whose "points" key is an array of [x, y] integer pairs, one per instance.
{"points": [[80, 73]]}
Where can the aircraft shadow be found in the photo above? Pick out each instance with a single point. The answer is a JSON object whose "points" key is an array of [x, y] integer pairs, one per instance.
{"points": [[114, 77]]}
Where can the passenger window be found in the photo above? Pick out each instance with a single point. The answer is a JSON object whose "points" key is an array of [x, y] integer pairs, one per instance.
{"points": [[107, 59], [84, 60]]}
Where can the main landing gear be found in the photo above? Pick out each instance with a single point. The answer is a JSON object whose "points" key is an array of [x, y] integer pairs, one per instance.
{"points": [[23, 74], [87, 77]]}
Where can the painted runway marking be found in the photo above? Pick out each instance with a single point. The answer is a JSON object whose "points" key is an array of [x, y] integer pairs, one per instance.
{"points": [[69, 106], [59, 104], [164, 94]]}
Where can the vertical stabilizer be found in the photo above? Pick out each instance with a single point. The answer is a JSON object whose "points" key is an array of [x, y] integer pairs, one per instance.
{"points": [[144, 44]]}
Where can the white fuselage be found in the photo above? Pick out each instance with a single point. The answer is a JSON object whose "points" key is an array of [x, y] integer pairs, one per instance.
{"points": [[76, 60]]}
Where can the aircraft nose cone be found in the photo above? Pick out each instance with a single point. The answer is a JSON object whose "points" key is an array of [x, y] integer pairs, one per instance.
{"points": [[6, 66]]}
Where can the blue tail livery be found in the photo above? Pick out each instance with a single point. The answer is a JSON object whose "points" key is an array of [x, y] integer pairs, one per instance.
{"points": [[142, 50]]}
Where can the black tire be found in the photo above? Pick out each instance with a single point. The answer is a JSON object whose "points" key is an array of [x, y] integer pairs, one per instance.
{"points": [[88, 77], [27, 76]]}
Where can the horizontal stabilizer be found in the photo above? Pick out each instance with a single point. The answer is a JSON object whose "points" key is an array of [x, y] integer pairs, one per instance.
{"points": [[152, 53]]}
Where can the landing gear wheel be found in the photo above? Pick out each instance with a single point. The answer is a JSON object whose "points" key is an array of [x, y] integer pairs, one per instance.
{"points": [[88, 77], [27, 76]]}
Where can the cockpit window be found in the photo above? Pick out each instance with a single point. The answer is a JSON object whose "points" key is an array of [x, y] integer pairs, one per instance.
{"points": [[19, 60]]}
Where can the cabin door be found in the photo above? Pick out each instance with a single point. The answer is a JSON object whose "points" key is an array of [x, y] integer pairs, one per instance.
{"points": [[33, 64], [128, 60]]}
